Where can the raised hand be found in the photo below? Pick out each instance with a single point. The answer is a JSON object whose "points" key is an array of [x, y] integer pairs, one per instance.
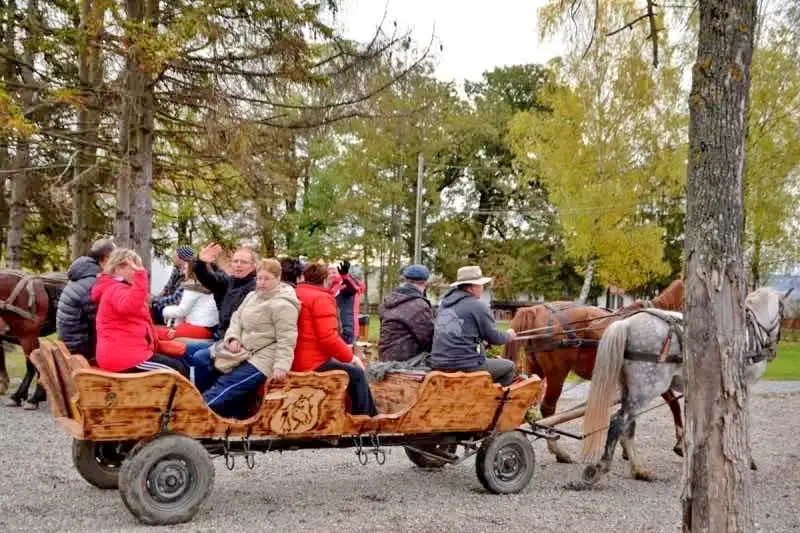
{"points": [[210, 252], [135, 265], [344, 268]]}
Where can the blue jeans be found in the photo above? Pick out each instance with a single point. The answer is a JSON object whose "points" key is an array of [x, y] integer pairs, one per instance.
{"points": [[231, 393], [202, 364], [197, 345]]}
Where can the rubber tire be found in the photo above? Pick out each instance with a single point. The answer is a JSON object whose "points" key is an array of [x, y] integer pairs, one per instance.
{"points": [[513, 442], [424, 461], [134, 482], [86, 461]]}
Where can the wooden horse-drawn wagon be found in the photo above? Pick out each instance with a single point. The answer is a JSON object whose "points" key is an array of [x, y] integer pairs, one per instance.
{"points": [[152, 436]]}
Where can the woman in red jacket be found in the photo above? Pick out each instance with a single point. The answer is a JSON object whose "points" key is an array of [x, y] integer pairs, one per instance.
{"points": [[126, 339], [319, 346]]}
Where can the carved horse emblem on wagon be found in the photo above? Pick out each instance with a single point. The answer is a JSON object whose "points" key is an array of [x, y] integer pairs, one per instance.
{"points": [[299, 410]]}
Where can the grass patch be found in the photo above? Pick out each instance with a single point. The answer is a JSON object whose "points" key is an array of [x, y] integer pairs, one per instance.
{"points": [[785, 367]]}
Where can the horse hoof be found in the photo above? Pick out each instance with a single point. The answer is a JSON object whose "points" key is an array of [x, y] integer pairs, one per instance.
{"points": [[11, 402], [753, 465], [592, 474], [563, 458], [3, 388], [625, 455], [30, 406], [678, 449], [643, 475]]}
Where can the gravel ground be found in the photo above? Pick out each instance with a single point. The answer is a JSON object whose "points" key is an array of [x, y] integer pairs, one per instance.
{"points": [[330, 491]]}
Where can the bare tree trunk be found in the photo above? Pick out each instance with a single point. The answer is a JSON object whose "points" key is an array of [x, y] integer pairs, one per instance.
{"points": [[588, 276], [755, 265], [135, 183], [24, 180], [90, 75], [717, 488]]}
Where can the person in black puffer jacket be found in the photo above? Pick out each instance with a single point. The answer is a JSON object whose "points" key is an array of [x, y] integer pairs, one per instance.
{"points": [[75, 315]]}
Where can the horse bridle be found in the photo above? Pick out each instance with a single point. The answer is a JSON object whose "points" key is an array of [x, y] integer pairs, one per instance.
{"points": [[762, 339]]}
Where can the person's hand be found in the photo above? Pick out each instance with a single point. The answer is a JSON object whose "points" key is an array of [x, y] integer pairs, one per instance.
{"points": [[511, 334], [171, 333], [135, 265], [344, 268], [234, 346], [210, 252], [358, 362], [278, 374]]}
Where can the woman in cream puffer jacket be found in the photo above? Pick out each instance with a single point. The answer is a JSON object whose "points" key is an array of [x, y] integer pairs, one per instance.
{"points": [[258, 345]]}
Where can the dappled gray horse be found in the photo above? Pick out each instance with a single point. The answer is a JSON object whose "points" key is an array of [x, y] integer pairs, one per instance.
{"points": [[644, 355]]}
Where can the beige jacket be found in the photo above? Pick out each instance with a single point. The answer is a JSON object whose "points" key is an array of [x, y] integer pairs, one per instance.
{"points": [[266, 325]]}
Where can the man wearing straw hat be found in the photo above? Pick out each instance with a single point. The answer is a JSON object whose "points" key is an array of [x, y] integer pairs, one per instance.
{"points": [[463, 325]]}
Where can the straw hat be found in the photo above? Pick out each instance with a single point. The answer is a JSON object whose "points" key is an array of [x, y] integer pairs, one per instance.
{"points": [[470, 275]]}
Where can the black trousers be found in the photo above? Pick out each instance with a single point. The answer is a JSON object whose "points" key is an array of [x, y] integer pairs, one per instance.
{"points": [[357, 389]]}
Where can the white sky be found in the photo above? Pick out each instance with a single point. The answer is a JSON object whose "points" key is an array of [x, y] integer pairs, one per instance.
{"points": [[475, 35]]}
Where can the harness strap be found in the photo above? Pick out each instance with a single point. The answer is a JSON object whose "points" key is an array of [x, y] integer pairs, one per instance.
{"points": [[8, 303]]}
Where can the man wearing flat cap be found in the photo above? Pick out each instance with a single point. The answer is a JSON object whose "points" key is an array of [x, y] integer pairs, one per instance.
{"points": [[172, 292], [463, 325], [407, 317]]}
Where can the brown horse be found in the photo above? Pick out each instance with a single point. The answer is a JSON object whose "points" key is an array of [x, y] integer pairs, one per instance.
{"points": [[565, 338], [27, 312]]}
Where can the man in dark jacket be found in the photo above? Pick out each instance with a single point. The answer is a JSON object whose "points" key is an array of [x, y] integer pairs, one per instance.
{"points": [[76, 312], [228, 290], [463, 325], [407, 318]]}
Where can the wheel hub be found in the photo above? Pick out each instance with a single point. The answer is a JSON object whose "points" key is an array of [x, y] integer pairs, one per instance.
{"points": [[168, 480], [508, 463]]}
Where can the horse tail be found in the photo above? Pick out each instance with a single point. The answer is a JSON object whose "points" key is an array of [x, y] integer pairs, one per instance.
{"points": [[605, 378], [524, 319]]}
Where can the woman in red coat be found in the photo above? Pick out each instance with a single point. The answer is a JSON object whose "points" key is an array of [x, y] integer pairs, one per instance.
{"points": [[126, 339], [319, 346]]}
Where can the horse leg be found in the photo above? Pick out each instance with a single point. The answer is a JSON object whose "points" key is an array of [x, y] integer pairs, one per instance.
{"points": [[628, 445], [675, 407], [38, 395], [16, 399], [555, 384], [593, 473]]}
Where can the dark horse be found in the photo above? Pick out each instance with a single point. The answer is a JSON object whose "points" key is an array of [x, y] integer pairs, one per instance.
{"points": [[27, 311], [565, 338]]}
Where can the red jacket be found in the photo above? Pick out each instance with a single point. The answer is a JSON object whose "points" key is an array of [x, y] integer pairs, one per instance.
{"points": [[125, 335], [317, 330]]}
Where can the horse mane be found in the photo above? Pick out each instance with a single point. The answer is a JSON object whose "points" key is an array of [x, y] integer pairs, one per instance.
{"points": [[671, 298]]}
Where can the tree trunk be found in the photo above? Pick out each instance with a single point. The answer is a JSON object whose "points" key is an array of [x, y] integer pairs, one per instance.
{"points": [[587, 282], [24, 181], [716, 494], [755, 265], [135, 183], [90, 75]]}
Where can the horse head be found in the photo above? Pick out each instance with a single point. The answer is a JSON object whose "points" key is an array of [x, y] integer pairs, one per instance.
{"points": [[765, 310]]}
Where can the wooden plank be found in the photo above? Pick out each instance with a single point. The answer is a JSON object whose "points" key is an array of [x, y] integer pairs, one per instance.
{"points": [[521, 396], [64, 369], [76, 361], [48, 377], [72, 427], [396, 392]]}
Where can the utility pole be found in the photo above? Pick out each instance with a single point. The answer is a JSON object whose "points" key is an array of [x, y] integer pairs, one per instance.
{"points": [[418, 228]]}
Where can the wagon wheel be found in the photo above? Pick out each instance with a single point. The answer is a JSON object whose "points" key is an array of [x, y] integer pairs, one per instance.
{"points": [[99, 462], [167, 480], [424, 461], [505, 463]]}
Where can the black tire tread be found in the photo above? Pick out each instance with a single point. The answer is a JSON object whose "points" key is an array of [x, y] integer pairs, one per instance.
{"points": [[485, 459], [135, 469], [83, 457]]}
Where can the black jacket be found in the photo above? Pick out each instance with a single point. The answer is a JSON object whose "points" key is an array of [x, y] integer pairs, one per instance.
{"points": [[76, 312], [229, 292], [406, 324]]}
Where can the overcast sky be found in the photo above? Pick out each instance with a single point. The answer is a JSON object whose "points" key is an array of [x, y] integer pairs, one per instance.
{"points": [[475, 35]]}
